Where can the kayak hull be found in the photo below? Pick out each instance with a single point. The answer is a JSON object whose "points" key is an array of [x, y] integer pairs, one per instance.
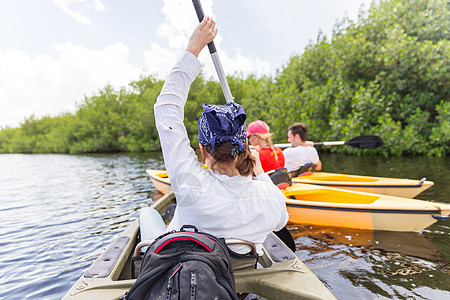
{"points": [[377, 185], [285, 278], [160, 180], [317, 205]]}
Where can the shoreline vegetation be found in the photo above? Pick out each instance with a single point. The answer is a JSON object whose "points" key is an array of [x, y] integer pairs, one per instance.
{"points": [[385, 74]]}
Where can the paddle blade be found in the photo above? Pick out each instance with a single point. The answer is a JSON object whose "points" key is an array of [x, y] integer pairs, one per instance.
{"points": [[365, 142]]}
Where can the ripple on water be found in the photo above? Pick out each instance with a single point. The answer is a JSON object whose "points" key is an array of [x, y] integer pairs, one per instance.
{"points": [[366, 264], [57, 220], [59, 212]]}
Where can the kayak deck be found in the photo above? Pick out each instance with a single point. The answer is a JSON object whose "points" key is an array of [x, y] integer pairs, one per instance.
{"points": [[369, 184], [283, 274]]}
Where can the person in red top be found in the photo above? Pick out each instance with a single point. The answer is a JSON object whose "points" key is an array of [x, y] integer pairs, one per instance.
{"points": [[258, 134]]}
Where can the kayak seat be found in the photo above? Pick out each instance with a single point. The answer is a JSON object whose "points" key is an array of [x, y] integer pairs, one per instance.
{"points": [[238, 261], [242, 261], [302, 169], [279, 176], [152, 226]]}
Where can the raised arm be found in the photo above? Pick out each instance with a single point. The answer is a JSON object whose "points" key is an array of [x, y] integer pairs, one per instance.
{"points": [[169, 107]]}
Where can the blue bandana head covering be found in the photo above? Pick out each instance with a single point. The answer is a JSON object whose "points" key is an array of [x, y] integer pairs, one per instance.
{"points": [[223, 123]]}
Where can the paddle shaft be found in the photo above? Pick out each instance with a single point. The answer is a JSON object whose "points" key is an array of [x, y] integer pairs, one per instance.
{"points": [[215, 57], [287, 145], [362, 141], [335, 143]]}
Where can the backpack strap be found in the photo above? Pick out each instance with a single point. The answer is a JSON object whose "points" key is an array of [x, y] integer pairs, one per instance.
{"points": [[198, 238]]}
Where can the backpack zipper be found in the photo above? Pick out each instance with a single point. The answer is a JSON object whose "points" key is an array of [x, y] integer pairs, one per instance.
{"points": [[193, 290], [219, 276], [169, 283]]}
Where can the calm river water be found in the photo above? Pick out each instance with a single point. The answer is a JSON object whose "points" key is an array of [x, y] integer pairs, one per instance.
{"points": [[59, 212]]}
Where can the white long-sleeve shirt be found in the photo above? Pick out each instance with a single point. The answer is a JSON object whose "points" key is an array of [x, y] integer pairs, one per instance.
{"points": [[229, 207]]}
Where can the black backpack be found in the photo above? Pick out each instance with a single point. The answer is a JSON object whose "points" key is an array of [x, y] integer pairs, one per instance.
{"points": [[185, 265]]}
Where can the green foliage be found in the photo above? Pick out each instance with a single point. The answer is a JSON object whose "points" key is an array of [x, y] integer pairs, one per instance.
{"points": [[385, 74]]}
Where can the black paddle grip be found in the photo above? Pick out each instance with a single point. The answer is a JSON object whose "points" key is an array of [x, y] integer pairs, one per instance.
{"points": [[201, 15]]}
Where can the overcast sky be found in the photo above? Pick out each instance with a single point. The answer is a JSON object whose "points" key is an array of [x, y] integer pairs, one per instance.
{"points": [[53, 53]]}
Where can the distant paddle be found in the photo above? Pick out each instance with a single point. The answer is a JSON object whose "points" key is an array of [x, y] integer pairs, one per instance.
{"points": [[214, 56], [362, 142]]}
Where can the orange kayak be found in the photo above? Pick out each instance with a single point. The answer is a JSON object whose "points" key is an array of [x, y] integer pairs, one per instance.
{"points": [[317, 205]]}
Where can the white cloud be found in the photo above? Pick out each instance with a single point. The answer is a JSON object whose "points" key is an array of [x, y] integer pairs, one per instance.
{"points": [[49, 85], [159, 60], [180, 21], [98, 5], [240, 64], [65, 5], [44, 85]]}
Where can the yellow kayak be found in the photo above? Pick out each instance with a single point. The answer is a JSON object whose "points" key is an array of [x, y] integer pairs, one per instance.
{"points": [[317, 205], [378, 185], [282, 276], [160, 180]]}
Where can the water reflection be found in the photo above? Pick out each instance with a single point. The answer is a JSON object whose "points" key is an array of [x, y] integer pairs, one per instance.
{"points": [[59, 212], [375, 263], [407, 243]]}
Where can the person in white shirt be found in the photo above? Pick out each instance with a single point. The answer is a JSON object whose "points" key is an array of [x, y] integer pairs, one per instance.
{"points": [[223, 200], [302, 151]]}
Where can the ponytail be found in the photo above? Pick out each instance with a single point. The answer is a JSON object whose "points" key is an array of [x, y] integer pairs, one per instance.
{"points": [[245, 162], [274, 152], [267, 137]]}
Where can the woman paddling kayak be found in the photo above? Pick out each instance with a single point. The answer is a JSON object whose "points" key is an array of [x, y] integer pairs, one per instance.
{"points": [[222, 200]]}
